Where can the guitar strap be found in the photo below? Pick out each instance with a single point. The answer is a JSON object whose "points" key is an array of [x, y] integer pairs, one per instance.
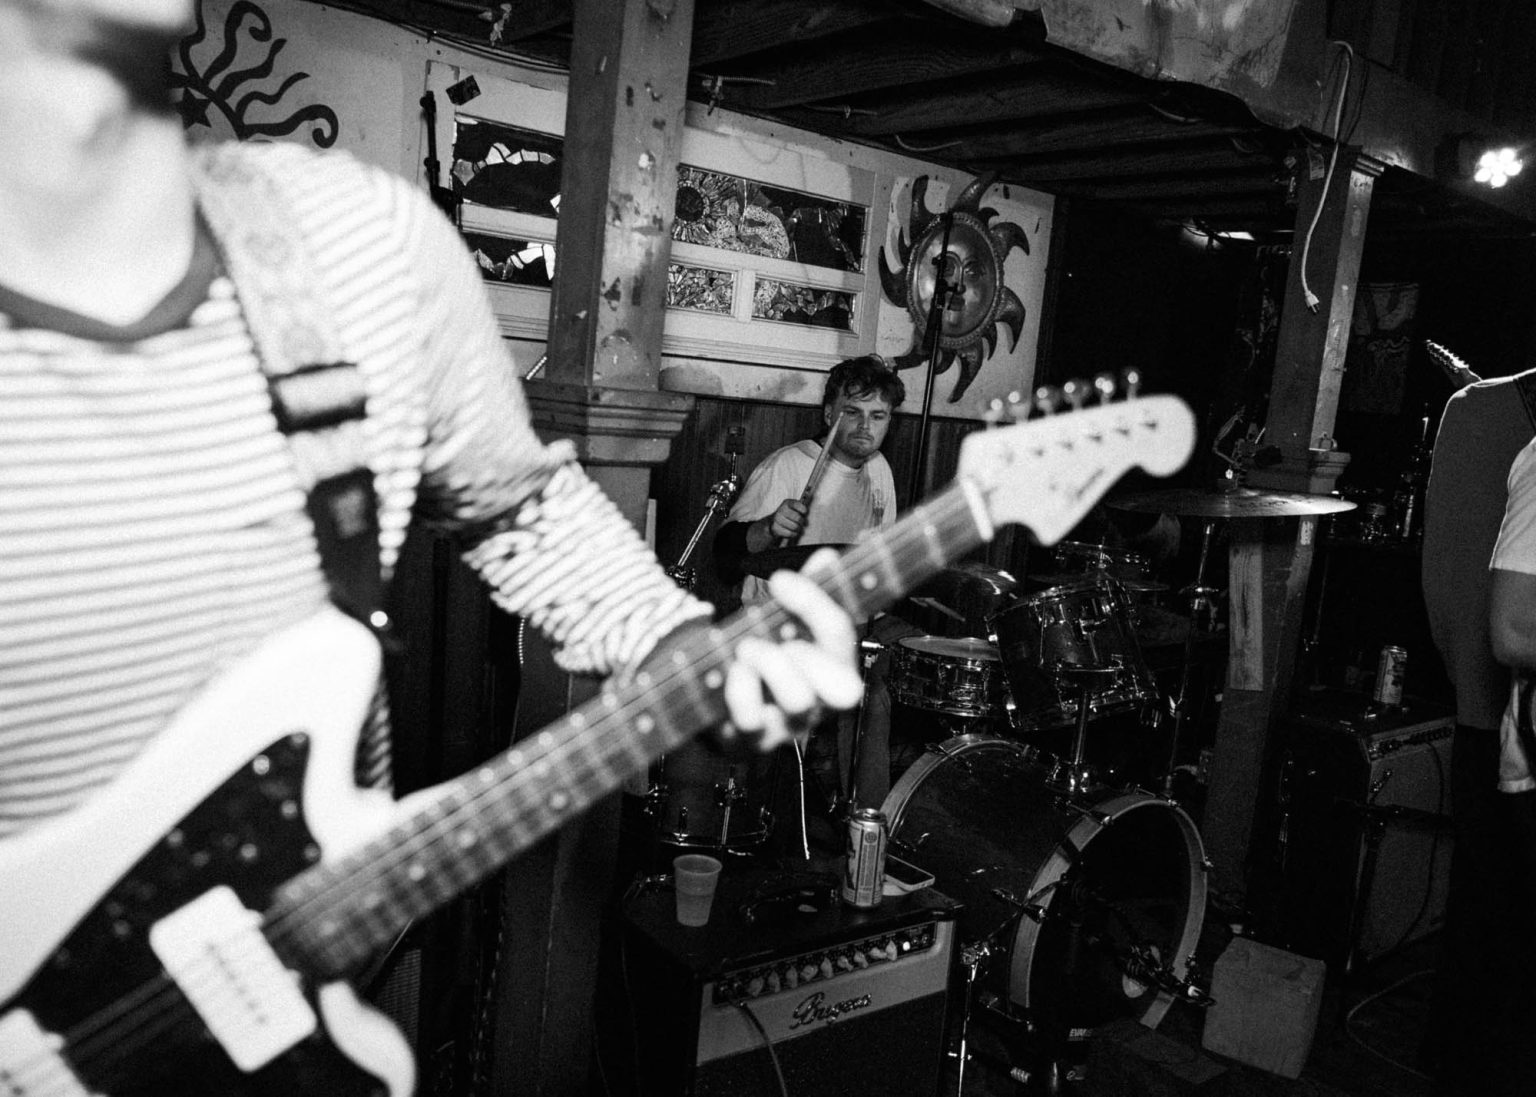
{"points": [[318, 396]]}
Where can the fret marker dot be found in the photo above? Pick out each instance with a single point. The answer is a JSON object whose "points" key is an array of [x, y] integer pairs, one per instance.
{"points": [[465, 839], [547, 740], [577, 719], [716, 637], [679, 659], [559, 801], [868, 581], [714, 679], [515, 759], [486, 774], [417, 872], [645, 724]]}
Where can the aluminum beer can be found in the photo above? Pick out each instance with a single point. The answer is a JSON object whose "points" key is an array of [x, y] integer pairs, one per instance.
{"points": [[1389, 676], [864, 874]]}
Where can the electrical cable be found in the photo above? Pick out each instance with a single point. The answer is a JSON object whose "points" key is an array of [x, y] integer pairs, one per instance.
{"points": [[1311, 298], [773, 1055], [901, 141], [1434, 854], [1349, 1019]]}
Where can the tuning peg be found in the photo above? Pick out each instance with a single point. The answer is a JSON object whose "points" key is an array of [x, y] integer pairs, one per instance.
{"points": [[1130, 380], [996, 412], [1017, 407], [1076, 393], [1104, 384], [1047, 399]]}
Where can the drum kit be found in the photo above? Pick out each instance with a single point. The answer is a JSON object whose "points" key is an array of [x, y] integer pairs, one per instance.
{"points": [[1084, 897]]}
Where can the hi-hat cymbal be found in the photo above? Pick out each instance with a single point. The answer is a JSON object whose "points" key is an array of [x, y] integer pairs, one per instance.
{"points": [[1233, 503], [764, 564]]}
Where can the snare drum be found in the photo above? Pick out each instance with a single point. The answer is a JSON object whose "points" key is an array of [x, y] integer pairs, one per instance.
{"points": [[1089, 901], [1086, 624], [959, 677]]}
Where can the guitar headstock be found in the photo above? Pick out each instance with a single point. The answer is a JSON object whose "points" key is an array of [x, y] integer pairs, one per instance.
{"points": [[1456, 370], [1047, 473]]}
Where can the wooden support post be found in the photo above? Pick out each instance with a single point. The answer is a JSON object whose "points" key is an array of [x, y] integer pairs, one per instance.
{"points": [[1271, 560], [623, 137]]}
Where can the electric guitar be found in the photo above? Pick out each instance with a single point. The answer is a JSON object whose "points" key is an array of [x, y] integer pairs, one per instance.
{"points": [[192, 927]]}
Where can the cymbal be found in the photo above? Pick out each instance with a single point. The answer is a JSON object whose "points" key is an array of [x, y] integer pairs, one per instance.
{"points": [[793, 558], [966, 592], [1233, 503]]}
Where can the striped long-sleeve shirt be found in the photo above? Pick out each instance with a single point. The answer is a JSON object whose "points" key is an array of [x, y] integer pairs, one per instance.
{"points": [[152, 527]]}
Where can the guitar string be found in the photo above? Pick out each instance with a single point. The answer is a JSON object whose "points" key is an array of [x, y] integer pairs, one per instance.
{"points": [[920, 522], [774, 617], [162, 998]]}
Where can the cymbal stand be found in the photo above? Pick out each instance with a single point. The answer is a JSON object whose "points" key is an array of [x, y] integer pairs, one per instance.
{"points": [[1202, 607], [869, 652], [720, 497], [1077, 775], [971, 957]]}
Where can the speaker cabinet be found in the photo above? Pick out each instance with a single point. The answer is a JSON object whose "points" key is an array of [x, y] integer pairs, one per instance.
{"points": [[787, 980], [1366, 847]]}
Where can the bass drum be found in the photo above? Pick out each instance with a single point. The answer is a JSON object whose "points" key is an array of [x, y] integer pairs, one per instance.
{"points": [[1082, 898]]}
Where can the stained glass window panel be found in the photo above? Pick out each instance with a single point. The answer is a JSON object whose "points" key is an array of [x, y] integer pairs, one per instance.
{"points": [[738, 214]]}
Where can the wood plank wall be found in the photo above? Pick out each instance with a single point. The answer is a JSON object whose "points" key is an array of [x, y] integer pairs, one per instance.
{"points": [[681, 486]]}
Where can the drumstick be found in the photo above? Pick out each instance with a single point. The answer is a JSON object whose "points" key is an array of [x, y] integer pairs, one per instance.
{"points": [[816, 470]]}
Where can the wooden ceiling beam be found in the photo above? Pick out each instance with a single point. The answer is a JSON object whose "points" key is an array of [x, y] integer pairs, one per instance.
{"points": [[1173, 188], [1260, 213], [1116, 164], [1087, 134], [727, 29], [839, 72], [1013, 96]]}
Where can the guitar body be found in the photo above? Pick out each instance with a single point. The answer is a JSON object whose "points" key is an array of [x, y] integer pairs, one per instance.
{"points": [[251, 785]]}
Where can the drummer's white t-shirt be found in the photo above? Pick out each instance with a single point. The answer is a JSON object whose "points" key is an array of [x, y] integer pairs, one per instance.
{"points": [[848, 503]]}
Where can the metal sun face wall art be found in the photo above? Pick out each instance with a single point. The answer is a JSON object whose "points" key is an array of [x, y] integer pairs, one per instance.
{"points": [[977, 300]]}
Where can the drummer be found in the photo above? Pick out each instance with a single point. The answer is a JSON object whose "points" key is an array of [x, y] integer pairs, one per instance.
{"points": [[831, 491]]}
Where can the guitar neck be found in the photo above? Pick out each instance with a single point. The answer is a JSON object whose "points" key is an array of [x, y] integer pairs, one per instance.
{"points": [[336, 915]]}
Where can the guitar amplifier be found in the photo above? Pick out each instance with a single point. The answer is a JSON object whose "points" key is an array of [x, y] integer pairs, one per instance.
{"points": [[786, 980], [1366, 848]]}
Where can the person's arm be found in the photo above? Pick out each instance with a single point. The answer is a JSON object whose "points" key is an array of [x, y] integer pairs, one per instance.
{"points": [[1512, 585], [1512, 617], [552, 547]]}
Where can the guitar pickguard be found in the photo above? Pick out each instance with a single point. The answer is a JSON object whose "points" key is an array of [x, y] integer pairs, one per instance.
{"points": [[249, 835]]}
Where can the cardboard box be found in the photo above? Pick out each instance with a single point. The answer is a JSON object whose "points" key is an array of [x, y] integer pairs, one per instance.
{"points": [[1266, 1006]]}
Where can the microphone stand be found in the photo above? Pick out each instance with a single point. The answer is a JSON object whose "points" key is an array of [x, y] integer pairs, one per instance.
{"points": [[931, 333], [445, 198]]}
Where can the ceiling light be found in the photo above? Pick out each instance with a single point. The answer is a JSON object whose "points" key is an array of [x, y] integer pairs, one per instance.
{"points": [[1496, 166]]}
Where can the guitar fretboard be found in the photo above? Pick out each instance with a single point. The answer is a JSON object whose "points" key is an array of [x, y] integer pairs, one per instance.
{"points": [[335, 916]]}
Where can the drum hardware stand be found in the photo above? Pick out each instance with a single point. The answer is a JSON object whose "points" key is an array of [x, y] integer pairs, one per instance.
{"points": [[1076, 775], [720, 497], [1202, 607], [869, 651], [971, 959], [727, 796]]}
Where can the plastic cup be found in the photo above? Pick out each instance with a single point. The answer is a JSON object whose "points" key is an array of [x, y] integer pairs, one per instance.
{"points": [[694, 877]]}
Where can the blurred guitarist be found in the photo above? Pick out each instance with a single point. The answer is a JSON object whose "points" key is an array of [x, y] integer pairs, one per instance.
{"points": [[1474, 1041], [229, 377]]}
